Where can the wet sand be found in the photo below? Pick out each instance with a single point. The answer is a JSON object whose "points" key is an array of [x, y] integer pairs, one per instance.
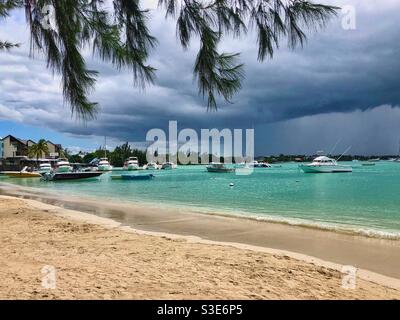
{"points": [[98, 258], [380, 256]]}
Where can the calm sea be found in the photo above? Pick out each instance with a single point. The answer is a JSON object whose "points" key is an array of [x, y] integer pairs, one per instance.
{"points": [[366, 201]]}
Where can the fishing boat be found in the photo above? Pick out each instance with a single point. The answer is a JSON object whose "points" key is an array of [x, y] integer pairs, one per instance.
{"points": [[104, 165], [133, 177], [45, 167], [168, 166], [63, 166], [217, 167], [324, 164], [132, 163], [57, 176], [152, 166], [256, 164]]}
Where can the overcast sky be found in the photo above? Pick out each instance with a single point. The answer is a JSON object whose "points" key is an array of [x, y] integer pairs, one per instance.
{"points": [[344, 85]]}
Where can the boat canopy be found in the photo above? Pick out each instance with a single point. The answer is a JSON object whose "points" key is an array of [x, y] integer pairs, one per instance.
{"points": [[323, 159]]}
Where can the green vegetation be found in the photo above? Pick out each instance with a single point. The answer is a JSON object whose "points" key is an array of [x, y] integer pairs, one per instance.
{"points": [[116, 157], [121, 36], [38, 150]]}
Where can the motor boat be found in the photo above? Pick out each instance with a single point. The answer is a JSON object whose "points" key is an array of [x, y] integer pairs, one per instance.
{"points": [[104, 165], [22, 174], [45, 167], [133, 177], [168, 166], [132, 163], [256, 164], [63, 166], [152, 166], [62, 176], [324, 164], [217, 167]]}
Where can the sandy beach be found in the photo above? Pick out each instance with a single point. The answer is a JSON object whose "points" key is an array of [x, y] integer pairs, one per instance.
{"points": [[98, 258]]}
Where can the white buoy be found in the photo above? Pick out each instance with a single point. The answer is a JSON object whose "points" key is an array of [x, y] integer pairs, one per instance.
{"points": [[231, 184]]}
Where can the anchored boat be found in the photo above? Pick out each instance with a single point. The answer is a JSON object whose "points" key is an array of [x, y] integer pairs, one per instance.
{"points": [[104, 165], [22, 174], [217, 167], [325, 165], [71, 175], [63, 166], [132, 163], [45, 167], [133, 177], [168, 166]]}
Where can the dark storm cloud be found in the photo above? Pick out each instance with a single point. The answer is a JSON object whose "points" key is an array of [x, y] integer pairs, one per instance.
{"points": [[337, 72]]}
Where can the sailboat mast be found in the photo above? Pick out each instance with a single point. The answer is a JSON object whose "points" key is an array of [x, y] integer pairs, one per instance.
{"points": [[105, 146]]}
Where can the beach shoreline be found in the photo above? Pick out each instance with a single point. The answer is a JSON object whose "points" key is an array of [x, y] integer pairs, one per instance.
{"points": [[195, 241], [378, 256], [87, 249], [98, 258]]}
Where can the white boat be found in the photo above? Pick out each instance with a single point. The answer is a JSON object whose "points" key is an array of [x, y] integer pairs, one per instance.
{"points": [[254, 164], [63, 166], [104, 165], [168, 166], [324, 165], [257, 164], [132, 163], [217, 167], [152, 166], [45, 167]]}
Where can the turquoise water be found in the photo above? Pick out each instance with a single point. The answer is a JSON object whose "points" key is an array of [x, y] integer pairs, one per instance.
{"points": [[366, 201]]}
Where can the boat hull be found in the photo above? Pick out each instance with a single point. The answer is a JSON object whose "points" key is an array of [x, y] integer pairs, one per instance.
{"points": [[133, 177], [75, 176], [63, 169], [220, 170], [105, 168], [325, 169], [23, 174]]}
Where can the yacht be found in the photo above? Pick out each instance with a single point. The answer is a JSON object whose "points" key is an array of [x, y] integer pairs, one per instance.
{"points": [[104, 165], [324, 164], [45, 167], [152, 166], [63, 166], [254, 164], [168, 166], [257, 164], [132, 163], [218, 167]]}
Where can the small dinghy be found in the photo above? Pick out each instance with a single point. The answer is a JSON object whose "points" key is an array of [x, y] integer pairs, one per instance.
{"points": [[133, 177]]}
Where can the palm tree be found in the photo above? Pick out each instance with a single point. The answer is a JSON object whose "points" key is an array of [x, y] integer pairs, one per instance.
{"points": [[38, 150], [121, 36]]}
